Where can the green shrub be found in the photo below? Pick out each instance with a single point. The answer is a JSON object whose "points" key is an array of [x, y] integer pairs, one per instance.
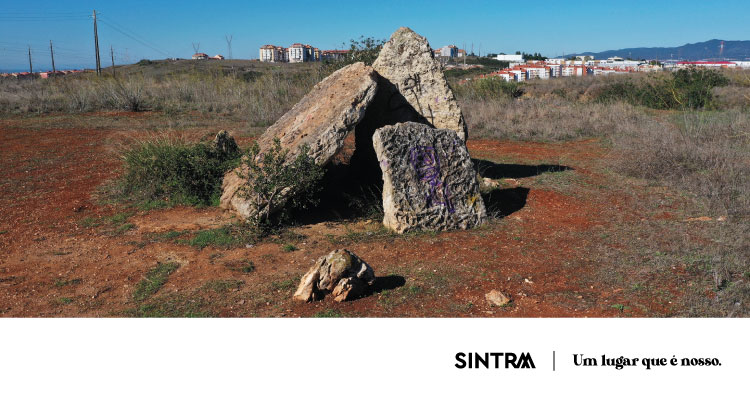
{"points": [[683, 89], [365, 49], [272, 183], [695, 85], [490, 88], [183, 173]]}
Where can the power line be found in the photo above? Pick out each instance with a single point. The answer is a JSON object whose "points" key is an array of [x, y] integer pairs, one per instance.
{"points": [[31, 18], [136, 39], [133, 35]]}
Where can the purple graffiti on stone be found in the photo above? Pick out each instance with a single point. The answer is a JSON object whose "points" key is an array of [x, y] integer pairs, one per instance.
{"points": [[426, 164]]}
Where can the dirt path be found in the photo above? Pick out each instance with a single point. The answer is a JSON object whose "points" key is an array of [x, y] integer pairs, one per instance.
{"points": [[64, 254]]}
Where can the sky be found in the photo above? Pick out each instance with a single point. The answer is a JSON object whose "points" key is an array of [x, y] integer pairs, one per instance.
{"points": [[158, 29]]}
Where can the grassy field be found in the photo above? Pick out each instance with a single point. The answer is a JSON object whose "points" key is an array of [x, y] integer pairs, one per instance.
{"points": [[606, 207]]}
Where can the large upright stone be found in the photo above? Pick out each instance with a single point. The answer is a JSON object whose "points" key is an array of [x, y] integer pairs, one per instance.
{"points": [[407, 62], [429, 181], [321, 120]]}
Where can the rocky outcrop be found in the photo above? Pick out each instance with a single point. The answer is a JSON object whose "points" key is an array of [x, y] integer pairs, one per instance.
{"points": [[429, 181], [407, 63], [320, 121], [341, 273]]}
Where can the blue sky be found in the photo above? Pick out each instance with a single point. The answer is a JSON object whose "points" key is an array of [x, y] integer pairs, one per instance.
{"points": [[168, 28]]}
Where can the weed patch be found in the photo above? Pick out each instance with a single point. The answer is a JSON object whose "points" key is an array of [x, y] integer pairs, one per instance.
{"points": [[171, 307], [284, 285], [224, 237], [287, 248], [329, 314], [154, 280]]}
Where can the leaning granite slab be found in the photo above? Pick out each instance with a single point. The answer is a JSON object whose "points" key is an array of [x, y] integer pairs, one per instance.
{"points": [[321, 120], [407, 62], [429, 181], [340, 273]]}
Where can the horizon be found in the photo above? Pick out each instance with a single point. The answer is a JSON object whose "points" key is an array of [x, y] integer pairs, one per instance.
{"points": [[167, 31]]}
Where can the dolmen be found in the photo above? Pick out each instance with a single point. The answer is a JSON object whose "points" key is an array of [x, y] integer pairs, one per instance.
{"points": [[406, 121]]}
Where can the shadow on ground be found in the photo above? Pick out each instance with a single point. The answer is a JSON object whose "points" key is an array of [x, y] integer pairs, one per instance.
{"points": [[489, 169], [389, 282], [503, 202]]}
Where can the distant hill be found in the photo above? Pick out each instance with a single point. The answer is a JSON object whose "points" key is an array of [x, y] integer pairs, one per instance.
{"points": [[733, 50]]}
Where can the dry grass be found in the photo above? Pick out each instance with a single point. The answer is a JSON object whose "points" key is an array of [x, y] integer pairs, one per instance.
{"points": [[260, 95], [702, 155], [545, 119], [705, 153]]}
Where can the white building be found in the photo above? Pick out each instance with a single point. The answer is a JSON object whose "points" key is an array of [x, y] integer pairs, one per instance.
{"points": [[617, 62], [536, 72], [449, 51], [299, 52], [271, 53], [519, 75], [507, 75], [296, 53], [510, 57], [555, 69], [574, 70]]}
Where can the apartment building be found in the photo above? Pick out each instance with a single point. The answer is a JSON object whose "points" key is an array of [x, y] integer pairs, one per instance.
{"points": [[297, 53], [536, 71], [271, 53]]}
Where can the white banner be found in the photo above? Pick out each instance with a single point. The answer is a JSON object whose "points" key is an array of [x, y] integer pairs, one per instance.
{"points": [[373, 358]]}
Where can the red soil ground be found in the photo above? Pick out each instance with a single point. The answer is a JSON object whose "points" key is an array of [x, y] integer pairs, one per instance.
{"points": [[61, 254]]}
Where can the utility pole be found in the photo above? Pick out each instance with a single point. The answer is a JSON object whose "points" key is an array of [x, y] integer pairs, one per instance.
{"points": [[31, 69], [96, 47], [112, 54], [52, 54], [464, 54], [228, 38]]}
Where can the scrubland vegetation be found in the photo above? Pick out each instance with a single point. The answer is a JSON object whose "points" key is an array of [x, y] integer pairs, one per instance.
{"points": [[687, 131]]}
